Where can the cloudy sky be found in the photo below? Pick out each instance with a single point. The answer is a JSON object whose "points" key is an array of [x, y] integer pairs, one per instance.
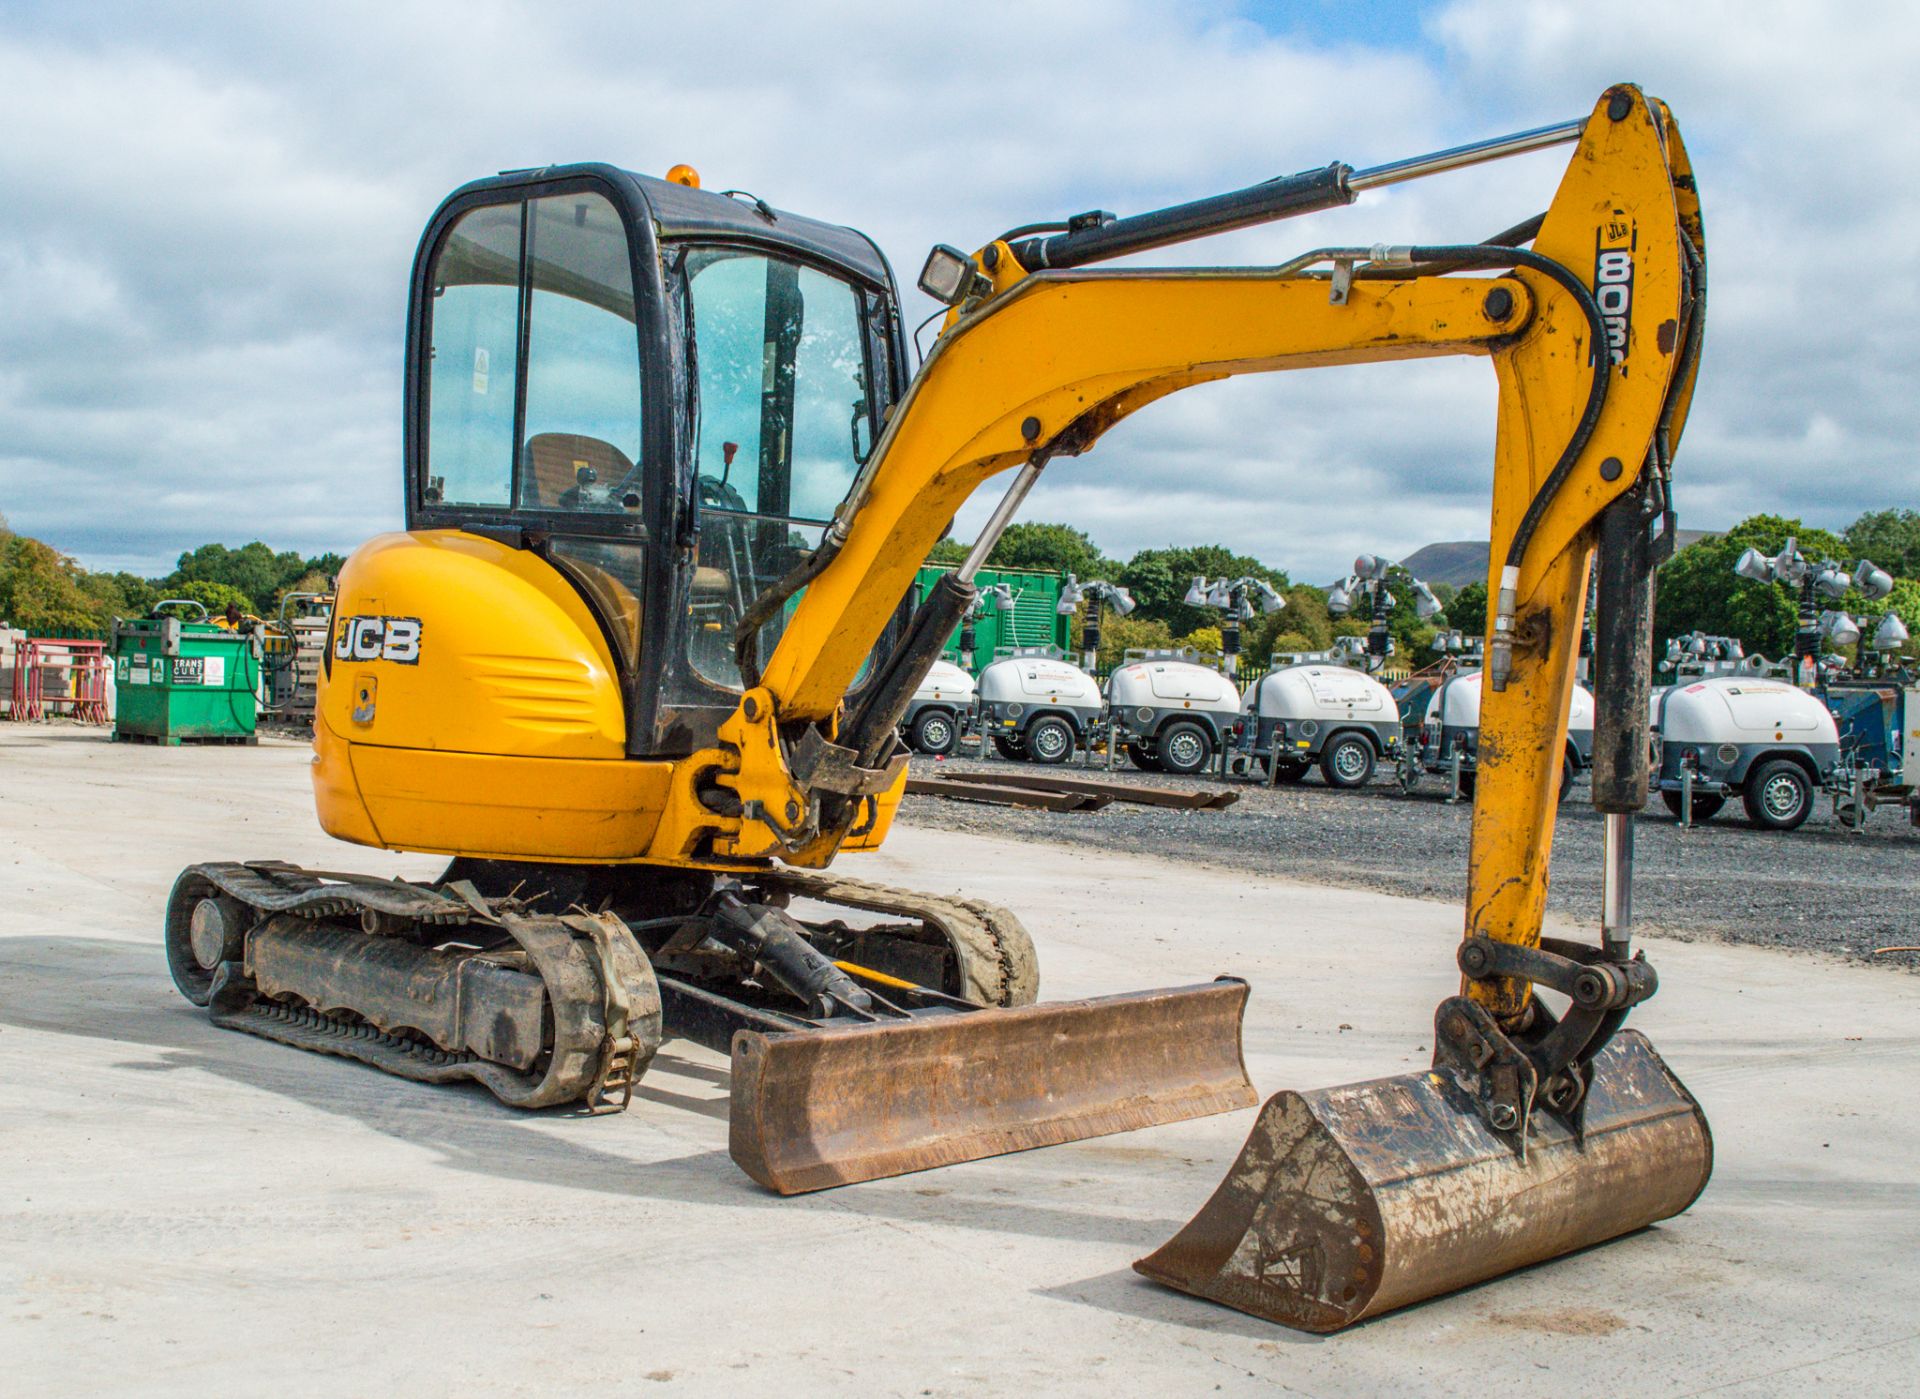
{"points": [[210, 211]]}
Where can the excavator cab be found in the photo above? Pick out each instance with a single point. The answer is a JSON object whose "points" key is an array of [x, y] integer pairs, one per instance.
{"points": [[662, 392]]}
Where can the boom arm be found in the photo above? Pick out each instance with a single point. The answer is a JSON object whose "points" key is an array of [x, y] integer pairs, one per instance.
{"points": [[1044, 363]]}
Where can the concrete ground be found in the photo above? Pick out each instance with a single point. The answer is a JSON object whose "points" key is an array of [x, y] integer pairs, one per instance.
{"points": [[185, 1210]]}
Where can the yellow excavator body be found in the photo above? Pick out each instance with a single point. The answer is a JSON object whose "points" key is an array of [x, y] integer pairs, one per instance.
{"points": [[638, 663]]}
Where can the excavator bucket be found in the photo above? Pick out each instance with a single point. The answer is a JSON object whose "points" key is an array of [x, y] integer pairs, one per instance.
{"points": [[1348, 1202], [830, 1107]]}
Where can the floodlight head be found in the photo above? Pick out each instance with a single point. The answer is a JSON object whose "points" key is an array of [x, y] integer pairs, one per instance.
{"points": [[1674, 652], [1270, 599], [1071, 593], [1220, 595], [1839, 628], [1871, 580], [1340, 598], [1000, 595], [1830, 580], [1425, 604], [1755, 565], [1696, 645], [1789, 565], [1891, 634], [1197, 594], [1120, 600]]}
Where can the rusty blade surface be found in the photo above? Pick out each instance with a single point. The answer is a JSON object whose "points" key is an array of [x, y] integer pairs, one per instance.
{"points": [[830, 1107], [1348, 1202]]}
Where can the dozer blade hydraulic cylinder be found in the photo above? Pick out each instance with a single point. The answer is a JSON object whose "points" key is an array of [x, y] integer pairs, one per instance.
{"points": [[831, 1107], [1348, 1202]]}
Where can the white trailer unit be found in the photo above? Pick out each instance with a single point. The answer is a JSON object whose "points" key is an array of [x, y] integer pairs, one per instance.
{"points": [[1333, 715], [1170, 715], [940, 713], [1769, 743], [1452, 726], [1037, 708]]}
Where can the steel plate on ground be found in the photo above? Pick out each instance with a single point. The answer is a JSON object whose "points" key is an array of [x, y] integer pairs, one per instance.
{"points": [[1348, 1202], [831, 1107]]}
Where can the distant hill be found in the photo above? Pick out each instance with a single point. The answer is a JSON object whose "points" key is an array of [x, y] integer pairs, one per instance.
{"points": [[1455, 563], [1461, 561]]}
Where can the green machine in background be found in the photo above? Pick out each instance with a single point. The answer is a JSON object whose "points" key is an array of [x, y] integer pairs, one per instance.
{"points": [[184, 681], [1018, 608]]}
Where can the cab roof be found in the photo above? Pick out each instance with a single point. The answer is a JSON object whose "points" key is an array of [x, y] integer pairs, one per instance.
{"points": [[678, 211]]}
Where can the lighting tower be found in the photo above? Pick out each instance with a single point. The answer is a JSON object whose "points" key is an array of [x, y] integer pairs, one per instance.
{"points": [[1828, 579], [1098, 596], [1236, 600], [1369, 580]]}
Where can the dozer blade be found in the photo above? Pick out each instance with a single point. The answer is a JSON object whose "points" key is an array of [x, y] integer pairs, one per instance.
{"points": [[830, 1107], [1348, 1202]]}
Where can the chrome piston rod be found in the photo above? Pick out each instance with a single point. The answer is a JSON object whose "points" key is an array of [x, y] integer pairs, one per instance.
{"points": [[1616, 886], [1473, 153]]}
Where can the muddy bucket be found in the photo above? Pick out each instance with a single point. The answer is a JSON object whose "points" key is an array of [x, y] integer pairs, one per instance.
{"points": [[820, 1108], [1348, 1202]]}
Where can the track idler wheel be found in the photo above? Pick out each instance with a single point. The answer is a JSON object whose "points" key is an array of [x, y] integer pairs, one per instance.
{"points": [[204, 928]]}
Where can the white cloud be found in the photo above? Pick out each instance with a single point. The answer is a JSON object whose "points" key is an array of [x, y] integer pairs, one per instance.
{"points": [[212, 210]]}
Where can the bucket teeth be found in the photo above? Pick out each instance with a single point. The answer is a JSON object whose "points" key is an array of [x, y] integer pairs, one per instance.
{"points": [[1348, 1202]]}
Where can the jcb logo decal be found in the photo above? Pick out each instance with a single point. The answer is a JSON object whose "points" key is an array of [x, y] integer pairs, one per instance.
{"points": [[1613, 287], [378, 639]]}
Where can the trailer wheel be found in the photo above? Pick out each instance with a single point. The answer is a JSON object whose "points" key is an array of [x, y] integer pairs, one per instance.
{"points": [[1008, 748], [1706, 805], [1049, 740], [934, 733], [1347, 761], [1184, 748], [1778, 795], [1143, 757], [1291, 773]]}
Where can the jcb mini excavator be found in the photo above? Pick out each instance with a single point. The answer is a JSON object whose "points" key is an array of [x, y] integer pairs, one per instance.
{"points": [[637, 663]]}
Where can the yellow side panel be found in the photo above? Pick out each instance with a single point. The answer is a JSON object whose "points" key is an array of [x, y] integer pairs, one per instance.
{"points": [[509, 659], [511, 808]]}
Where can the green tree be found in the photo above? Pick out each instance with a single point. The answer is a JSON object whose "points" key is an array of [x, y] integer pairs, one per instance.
{"points": [[1891, 538], [1051, 548], [214, 596], [253, 570], [1119, 635], [118, 594], [1206, 640], [948, 551], [40, 589], [1467, 609]]}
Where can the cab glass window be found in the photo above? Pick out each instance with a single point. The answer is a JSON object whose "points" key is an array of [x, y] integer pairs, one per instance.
{"points": [[784, 415], [582, 412], [473, 329]]}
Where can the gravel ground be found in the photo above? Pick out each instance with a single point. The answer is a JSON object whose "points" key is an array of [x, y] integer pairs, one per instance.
{"points": [[1820, 888]]}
